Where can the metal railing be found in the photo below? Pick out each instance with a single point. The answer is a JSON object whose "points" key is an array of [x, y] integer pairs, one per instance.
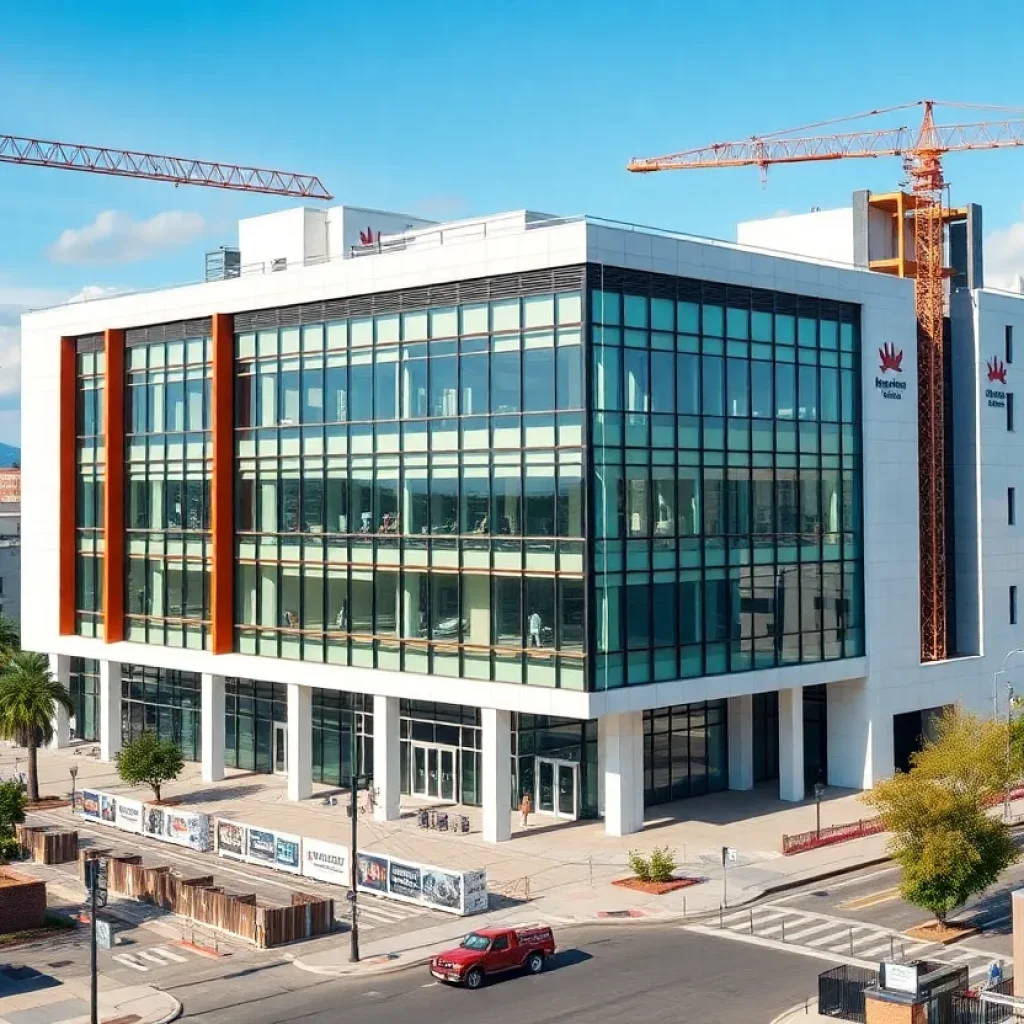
{"points": [[841, 991]]}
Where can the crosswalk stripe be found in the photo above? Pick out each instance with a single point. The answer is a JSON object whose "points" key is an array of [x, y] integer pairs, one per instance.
{"points": [[152, 956], [844, 943], [820, 926], [843, 935], [377, 915], [167, 954], [882, 947], [388, 912], [760, 913], [129, 961]]}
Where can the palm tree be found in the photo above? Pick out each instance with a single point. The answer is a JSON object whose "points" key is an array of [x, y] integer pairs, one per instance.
{"points": [[29, 697]]}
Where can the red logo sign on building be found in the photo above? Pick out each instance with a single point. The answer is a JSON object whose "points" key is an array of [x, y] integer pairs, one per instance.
{"points": [[366, 237], [891, 359], [996, 370]]}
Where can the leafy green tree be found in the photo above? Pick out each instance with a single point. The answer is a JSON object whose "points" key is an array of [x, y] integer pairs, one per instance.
{"points": [[967, 753], [29, 697], [150, 761], [12, 806], [10, 637], [948, 845]]}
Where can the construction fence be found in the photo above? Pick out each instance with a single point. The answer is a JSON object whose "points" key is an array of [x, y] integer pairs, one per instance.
{"points": [[201, 900]]}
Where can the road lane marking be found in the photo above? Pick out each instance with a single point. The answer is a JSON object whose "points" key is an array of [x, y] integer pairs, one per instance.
{"points": [[167, 954], [872, 899], [129, 961]]}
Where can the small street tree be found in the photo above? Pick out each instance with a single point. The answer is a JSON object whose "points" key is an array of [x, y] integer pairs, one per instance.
{"points": [[29, 697], [12, 813], [948, 845], [10, 637], [150, 761]]}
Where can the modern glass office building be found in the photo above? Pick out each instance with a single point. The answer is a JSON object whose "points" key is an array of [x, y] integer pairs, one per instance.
{"points": [[471, 520]]}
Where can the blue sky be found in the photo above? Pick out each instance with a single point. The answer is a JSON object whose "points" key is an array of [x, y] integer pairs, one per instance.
{"points": [[455, 109]]}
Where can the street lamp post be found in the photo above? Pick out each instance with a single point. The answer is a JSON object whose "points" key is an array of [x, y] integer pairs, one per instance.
{"points": [[995, 680], [819, 792], [74, 776], [1009, 723], [355, 780]]}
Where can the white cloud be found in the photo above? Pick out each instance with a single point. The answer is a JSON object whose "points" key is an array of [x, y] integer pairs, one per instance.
{"points": [[1004, 257], [114, 237]]}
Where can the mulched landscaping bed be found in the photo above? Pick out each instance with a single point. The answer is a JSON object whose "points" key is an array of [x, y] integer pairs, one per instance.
{"points": [[944, 934], [656, 888]]}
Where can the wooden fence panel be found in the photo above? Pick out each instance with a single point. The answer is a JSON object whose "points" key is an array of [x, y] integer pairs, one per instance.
{"points": [[202, 901], [47, 845]]}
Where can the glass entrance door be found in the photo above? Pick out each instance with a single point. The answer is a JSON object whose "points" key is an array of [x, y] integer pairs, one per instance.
{"points": [[557, 788], [435, 772], [447, 780], [280, 749]]}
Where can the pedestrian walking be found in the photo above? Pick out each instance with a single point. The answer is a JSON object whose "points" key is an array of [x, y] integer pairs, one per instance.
{"points": [[525, 808]]}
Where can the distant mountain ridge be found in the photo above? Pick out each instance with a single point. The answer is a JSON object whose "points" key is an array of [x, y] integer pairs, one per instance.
{"points": [[9, 455]]}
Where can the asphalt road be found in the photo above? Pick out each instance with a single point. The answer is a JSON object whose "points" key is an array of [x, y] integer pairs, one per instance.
{"points": [[872, 898], [602, 975]]}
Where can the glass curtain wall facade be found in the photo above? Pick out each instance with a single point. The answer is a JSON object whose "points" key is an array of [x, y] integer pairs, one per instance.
{"points": [[410, 481], [167, 478], [342, 736], [90, 475], [165, 701], [251, 709], [727, 478], [685, 751], [440, 751], [543, 738], [84, 686]]}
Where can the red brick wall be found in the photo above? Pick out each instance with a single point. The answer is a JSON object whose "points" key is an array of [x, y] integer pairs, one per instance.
{"points": [[22, 903]]}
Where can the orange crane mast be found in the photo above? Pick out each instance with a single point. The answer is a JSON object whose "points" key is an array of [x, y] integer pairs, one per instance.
{"points": [[126, 163], [921, 149]]}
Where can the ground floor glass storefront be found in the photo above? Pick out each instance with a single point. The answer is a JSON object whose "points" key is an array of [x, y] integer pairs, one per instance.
{"points": [[440, 751], [685, 751], [84, 685], [555, 761], [165, 701]]}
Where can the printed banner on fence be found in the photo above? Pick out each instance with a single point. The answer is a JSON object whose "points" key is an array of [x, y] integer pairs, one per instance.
{"points": [[91, 805], [405, 880], [183, 828], [474, 892], [286, 852], [260, 848], [231, 839], [442, 889], [326, 861], [371, 872], [128, 815]]}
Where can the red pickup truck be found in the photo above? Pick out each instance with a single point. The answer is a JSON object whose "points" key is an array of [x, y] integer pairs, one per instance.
{"points": [[494, 951]]}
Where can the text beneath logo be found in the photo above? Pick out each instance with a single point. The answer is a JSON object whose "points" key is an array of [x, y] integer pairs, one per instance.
{"points": [[890, 361]]}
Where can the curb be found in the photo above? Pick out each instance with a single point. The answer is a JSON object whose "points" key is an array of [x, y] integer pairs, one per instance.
{"points": [[799, 1009], [355, 972], [173, 1014]]}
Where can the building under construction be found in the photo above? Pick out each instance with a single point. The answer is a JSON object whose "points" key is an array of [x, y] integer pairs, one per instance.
{"points": [[602, 513]]}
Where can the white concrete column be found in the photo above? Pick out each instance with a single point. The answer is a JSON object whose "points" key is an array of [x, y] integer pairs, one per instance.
{"points": [[110, 709], [496, 774], [620, 756], [860, 740], [300, 741], [213, 727], [791, 744], [740, 715], [387, 770], [60, 669]]}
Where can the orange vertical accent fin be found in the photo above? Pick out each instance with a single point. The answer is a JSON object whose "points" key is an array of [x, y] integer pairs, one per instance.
{"points": [[222, 503], [68, 470], [113, 491]]}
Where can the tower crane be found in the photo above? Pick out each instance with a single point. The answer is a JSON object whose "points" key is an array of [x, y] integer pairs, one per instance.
{"points": [[921, 148], [126, 163]]}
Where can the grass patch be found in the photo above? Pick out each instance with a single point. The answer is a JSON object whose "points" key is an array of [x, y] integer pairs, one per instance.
{"points": [[55, 924]]}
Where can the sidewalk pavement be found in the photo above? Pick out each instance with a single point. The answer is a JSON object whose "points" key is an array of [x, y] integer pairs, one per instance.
{"points": [[803, 1013], [558, 872], [40, 997]]}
